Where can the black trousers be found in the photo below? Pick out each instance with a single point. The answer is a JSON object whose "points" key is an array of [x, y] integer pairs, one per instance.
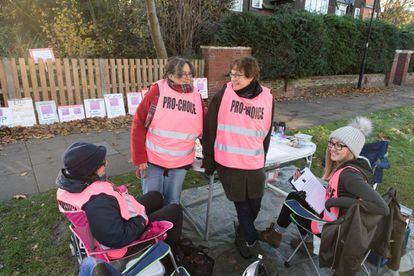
{"points": [[284, 215], [156, 211], [247, 212]]}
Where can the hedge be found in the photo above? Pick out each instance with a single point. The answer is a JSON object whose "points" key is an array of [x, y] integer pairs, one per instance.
{"points": [[301, 44]]}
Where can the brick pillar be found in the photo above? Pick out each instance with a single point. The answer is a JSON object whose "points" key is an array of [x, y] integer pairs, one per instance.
{"points": [[217, 62], [399, 68]]}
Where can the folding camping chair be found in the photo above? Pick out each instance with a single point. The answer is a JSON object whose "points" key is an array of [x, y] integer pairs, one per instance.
{"points": [[146, 263], [377, 153], [300, 212], [83, 244]]}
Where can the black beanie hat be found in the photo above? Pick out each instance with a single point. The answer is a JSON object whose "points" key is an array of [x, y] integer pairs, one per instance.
{"points": [[82, 159]]}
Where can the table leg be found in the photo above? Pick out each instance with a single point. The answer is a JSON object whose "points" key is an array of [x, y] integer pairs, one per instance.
{"points": [[210, 198]]}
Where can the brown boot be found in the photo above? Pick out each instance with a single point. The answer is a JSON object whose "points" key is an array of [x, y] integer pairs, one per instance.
{"points": [[271, 236], [296, 241]]}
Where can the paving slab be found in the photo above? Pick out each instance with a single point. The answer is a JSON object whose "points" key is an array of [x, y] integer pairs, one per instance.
{"points": [[20, 183]]}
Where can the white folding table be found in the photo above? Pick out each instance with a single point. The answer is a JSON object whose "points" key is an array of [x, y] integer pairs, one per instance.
{"points": [[280, 152]]}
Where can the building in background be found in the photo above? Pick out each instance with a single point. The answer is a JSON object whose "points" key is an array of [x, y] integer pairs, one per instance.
{"points": [[357, 8]]}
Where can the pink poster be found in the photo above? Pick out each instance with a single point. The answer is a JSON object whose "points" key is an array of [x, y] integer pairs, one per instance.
{"points": [[46, 109], [95, 105], [113, 102]]}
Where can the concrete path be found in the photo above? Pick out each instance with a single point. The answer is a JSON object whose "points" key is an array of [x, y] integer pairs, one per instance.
{"points": [[31, 167]]}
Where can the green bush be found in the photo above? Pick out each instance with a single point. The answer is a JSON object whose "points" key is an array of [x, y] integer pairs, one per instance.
{"points": [[301, 44]]}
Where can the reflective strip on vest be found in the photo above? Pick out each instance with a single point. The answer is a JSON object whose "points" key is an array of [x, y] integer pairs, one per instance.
{"points": [[131, 208], [242, 130], [162, 150], [172, 134], [236, 150]]}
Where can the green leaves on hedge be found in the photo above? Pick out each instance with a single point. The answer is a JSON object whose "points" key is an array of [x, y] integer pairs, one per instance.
{"points": [[301, 44]]}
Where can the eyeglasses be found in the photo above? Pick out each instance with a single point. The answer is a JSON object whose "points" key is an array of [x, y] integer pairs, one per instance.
{"points": [[187, 75], [235, 75], [337, 146]]}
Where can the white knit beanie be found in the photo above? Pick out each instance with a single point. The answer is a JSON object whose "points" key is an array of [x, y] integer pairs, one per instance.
{"points": [[353, 135]]}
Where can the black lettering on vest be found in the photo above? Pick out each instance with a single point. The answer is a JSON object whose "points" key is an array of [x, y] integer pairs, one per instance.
{"points": [[164, 102], [180, 104], [248, 110], [173, 103], [233, 102], [241, 107], [194, 109]]}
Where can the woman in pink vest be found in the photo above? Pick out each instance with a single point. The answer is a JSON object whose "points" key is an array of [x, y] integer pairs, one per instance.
{"points": [[115, 217], [236, 138], [350, 179], [167, 122]]}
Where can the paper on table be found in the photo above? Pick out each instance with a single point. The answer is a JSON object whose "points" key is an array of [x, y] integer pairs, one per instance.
{"points": [[315, 191]]}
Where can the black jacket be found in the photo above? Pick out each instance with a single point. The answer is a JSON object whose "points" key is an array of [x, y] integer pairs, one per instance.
{"points": [[104, 216], [239, 185]]}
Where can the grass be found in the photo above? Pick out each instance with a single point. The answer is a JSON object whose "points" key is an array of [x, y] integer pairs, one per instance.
{"points": [[34, 235]]}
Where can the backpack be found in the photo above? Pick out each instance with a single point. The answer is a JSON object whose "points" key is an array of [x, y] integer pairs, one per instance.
{"points": [[194, 258]]}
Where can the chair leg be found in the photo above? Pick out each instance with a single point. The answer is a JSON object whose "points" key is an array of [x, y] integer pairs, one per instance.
{"points": [[173, 260], [302, 243]]}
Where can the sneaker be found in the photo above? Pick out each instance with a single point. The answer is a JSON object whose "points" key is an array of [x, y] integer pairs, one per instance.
{"points": [[241, 244], [295, 243], [271, 236], [255, 249]]}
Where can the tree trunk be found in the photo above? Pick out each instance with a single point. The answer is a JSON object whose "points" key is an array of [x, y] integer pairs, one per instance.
{"points": [[155, 30]]}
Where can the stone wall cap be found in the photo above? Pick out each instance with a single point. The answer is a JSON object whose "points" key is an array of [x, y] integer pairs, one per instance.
{"points": [[225, 48], [404, 51]]}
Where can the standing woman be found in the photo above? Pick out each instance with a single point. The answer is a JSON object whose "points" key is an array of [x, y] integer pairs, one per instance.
{"points": [[165, 127], [235, 142]]}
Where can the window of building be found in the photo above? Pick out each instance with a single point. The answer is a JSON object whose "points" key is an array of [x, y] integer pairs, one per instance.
{"points": [[237, 5], [357, 13], [257, 4], [317, 6], [340, 9]]}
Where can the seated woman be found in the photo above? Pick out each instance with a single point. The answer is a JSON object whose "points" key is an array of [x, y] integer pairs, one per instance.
{"points": [[350, 179], [115, 219]]}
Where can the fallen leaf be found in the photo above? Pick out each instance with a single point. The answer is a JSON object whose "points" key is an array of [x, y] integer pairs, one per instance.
{"points": [[23, 173], [34, 247], [19, 197]]}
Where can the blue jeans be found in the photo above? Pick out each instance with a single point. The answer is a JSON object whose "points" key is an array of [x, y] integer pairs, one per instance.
{"points": [[169, 186]]}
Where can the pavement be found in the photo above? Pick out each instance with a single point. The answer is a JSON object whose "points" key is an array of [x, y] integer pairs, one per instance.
{"points": [[30, 167]]}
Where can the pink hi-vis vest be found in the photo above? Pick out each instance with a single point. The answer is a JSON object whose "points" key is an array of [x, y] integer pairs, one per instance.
{"points": [[331, 192], [177, 123], [128, 205], [242, 125]]}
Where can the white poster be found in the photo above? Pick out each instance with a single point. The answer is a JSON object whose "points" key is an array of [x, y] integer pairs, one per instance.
{"points": [[237, 6], [23, 112], [6, 117], [94, 108], [134, 99], [257, 4], [46, 112], [144, 92], [201, 85], [42, 53], [71, 112], [114, 105]]}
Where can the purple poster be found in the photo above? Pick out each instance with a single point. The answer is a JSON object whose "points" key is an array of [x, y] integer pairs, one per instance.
{"points": [[113, 102], [94, 105], [65, 112], [46, 109], [77, 110], [1, 113]]}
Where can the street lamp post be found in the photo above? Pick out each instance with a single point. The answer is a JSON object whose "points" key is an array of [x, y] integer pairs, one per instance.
{"points": [[364, 58]]}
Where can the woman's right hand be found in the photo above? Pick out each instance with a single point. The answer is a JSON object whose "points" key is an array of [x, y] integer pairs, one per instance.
{"points": [[141, 171]]}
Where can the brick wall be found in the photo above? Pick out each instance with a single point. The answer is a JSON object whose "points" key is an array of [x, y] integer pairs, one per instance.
{"points": [[321, 84], [217, 62]]}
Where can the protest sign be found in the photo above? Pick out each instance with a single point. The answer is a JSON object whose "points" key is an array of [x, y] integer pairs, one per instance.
{"points": [[6, 118], [134, 99], [114, 105], [94, 108], [46, 112], [71, 112], [201, 85], [23, 112]]}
